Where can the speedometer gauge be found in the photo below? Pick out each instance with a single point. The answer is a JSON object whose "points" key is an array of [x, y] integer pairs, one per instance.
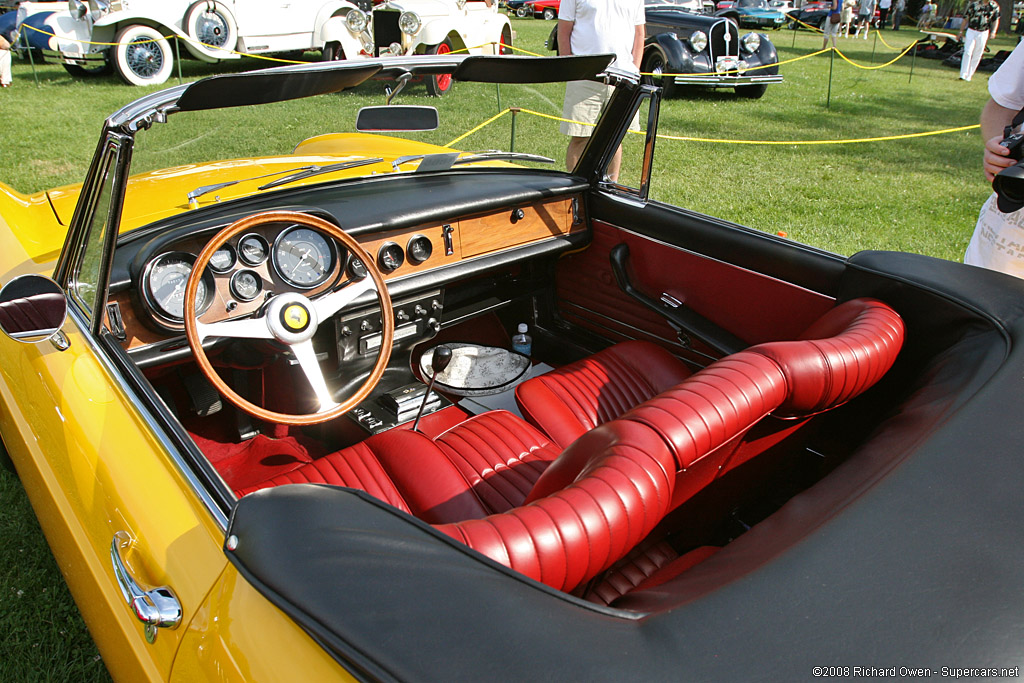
{"points": [[164, 286], [303, 257]]}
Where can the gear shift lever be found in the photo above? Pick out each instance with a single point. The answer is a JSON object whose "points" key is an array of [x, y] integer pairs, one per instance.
{"points": [[438, 362]]}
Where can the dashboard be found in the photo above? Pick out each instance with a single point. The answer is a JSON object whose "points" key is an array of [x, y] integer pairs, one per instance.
{"points": [[274, 258]]}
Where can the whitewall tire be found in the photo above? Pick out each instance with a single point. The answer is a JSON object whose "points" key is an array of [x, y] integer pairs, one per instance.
{"points": [[213, 29], [142, 56]]}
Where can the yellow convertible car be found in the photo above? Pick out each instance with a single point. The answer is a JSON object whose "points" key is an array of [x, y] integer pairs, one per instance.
{"points": [[279, 417]]}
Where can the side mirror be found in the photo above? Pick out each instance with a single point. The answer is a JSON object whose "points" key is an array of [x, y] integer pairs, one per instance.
{"points": [[396, 118], [32, 308]]}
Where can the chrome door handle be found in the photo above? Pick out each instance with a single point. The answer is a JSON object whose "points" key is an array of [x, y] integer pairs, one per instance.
{"points": [[154, 607]]}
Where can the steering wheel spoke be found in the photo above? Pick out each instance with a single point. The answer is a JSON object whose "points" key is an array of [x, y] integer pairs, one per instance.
{"points": [[306, 355], [327, 306], [245, 328]]}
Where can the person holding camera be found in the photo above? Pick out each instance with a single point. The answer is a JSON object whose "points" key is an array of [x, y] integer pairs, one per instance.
{"points": [[980, 20], [998, 239]]}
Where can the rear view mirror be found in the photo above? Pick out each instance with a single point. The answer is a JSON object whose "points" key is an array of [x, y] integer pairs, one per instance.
{"points": [[396, 118], [32, 308]]}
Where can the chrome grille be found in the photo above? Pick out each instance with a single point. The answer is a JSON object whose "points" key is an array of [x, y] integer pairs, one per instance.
{"points": [[718, 45]]}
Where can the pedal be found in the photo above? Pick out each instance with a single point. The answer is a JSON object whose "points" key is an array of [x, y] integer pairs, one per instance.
{"points": [[203, 398]]}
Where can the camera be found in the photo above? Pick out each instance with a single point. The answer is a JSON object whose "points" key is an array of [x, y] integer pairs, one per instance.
{"points": [[1009, 183]]}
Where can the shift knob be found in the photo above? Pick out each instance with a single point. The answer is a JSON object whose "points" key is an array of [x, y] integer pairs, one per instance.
{"points": [[441, 358]]}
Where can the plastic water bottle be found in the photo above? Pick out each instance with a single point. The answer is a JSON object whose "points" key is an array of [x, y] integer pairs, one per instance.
{"points": [[522, 342]]}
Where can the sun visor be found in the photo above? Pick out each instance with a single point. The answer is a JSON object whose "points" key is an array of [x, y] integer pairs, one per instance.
{"points": [[506, 69], [274, 85]]}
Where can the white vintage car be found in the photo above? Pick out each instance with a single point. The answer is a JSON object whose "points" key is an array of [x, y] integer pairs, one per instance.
{"points": [[408, 27], [135, 37]]}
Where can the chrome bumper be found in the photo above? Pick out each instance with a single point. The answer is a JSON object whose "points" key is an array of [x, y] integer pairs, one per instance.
{"points": [[727, 80]]}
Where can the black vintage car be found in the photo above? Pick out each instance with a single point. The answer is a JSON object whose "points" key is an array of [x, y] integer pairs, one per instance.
{"points": [[684, 48]]}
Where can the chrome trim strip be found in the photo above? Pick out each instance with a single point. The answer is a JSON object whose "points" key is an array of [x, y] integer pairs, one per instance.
{"points": [[726, 80], [158, 431]]}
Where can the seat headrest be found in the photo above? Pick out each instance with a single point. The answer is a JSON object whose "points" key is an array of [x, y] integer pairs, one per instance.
{"points": [[864, 338]]}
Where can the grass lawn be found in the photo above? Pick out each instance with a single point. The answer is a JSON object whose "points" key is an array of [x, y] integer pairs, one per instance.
{"points": [[920, 195]]}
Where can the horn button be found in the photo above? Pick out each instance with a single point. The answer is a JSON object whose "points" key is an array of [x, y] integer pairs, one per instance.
{"points": [[291, 318]]}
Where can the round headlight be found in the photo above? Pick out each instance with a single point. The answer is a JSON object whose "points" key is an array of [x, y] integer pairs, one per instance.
{"points": [[355, 20], [751, 42], [410, 23], [698, 40]]}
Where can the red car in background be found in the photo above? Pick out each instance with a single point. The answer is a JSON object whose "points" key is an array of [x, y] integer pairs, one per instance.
{"points": [[546, 9]]}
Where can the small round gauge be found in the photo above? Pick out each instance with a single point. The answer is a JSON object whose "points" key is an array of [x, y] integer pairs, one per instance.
{"points": [[390, 257], [164, 285], [245, 285], [303, 257], [223, 259], [356, 269], [253, 250], [419, 249]]}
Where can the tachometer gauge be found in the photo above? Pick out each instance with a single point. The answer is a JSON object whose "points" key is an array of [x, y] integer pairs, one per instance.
{"points": [[253, 250], [245, 285], [390, 257], [164, 286], [303, 257], [223, 259]]}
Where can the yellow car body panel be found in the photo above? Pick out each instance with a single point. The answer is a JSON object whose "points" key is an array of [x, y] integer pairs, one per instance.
{"points": [[164, 193], [237, 635]]}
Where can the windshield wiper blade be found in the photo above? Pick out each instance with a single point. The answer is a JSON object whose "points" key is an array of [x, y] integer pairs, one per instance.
{"points": [[495, 155], [317, 170], [206, 189], [442, 161]]}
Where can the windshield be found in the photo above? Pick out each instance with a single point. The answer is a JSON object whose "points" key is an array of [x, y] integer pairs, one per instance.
{"points": [[297, 141]]}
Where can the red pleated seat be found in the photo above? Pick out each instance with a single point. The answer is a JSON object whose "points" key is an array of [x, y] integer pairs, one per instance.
{"points": [[495, 483]]}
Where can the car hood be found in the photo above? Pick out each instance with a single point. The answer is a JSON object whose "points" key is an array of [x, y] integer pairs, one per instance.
{"points": [[160, 194]]}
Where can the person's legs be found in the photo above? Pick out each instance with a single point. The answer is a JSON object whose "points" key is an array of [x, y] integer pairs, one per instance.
{"points": [[573, 151], [5, 68], [974, 48]]}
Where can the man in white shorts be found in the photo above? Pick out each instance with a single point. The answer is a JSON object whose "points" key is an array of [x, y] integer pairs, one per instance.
{"points": [[592, 27], [998, 240]]}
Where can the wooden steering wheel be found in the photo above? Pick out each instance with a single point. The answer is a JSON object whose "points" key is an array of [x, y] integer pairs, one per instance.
{"points": [[291, 319]]}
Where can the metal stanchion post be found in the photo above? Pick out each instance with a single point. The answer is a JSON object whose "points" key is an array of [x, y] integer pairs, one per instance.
{"points": [[913, 58], [794, 33], [512, 142], [177, 58], [32, 60], [831, 61], [497, 88], [873, 46]]}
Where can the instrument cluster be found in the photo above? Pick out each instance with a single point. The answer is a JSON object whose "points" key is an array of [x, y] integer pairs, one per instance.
{"points": [[243, 273]]}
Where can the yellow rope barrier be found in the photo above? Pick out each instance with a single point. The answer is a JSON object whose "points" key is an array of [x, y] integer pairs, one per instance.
{"points": [[485, 123], [877, 66], [179, 37], [681, 138]]}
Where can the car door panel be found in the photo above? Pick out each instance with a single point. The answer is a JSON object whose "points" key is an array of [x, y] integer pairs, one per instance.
{"points": [[93, 468], [722, 275]]}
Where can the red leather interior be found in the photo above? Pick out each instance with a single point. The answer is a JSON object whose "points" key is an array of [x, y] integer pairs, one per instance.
{"points": [[500, 456], [484, 465], [567, 402], [610, 487], [753, 306]]}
